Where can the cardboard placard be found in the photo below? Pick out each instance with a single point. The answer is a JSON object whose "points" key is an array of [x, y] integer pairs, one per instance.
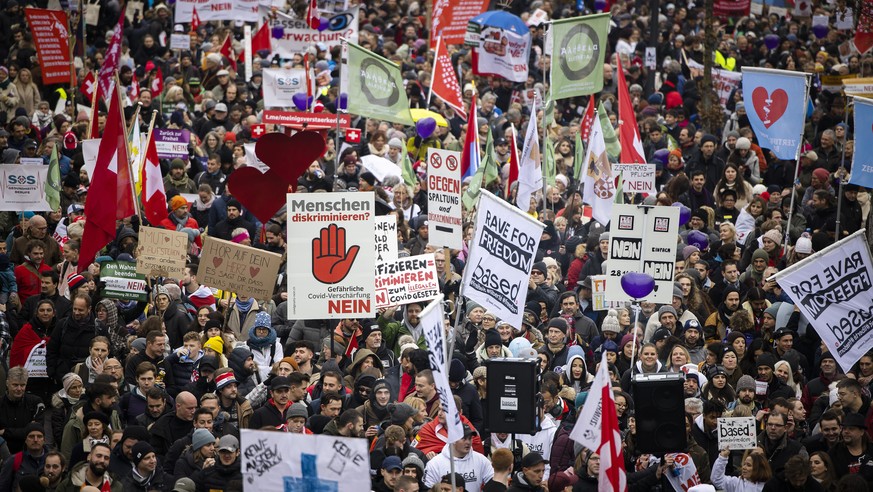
{"points": [[122, 281], [161, 252], [737, 433], [236, 268]]}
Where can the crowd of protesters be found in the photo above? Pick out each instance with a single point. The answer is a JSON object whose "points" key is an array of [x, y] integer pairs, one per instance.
{"points": [[152, 395]]}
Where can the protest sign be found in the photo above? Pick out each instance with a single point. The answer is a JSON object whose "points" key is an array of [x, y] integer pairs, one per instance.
{"points": [[171, 144], [49, 31], [634, 233], [180, 42], [385, 238], [684, 474], [723, 81], [737, 433], [252, 158], [577, 55], [501, 50], [410, 279], [297, 36], [636, 178], [236, 268], [301, 119], [217, 10], [290, 461], [280, 85], [22, 187], [434, 334], [859, 87], [90, 147], [501, 256], [862, 158], [122, 281], [834, 291], [161, 252], [450, 17], [776, 103], [444, 198], [375, 87], [332, 272], [598, 294], [31, 161]]}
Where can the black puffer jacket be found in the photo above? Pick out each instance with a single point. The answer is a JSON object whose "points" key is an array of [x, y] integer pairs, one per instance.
{"points": [[236, 361], [69, 345], [219, 478]]}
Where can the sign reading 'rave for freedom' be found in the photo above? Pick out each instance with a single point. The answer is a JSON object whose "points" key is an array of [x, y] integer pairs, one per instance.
{"points": [[833, 289], [501, 256]]}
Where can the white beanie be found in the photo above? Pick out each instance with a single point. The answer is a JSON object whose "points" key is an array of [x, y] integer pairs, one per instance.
{"points": [[804, 244]]}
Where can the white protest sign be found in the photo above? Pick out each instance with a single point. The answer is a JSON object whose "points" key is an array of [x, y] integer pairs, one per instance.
{"points": [[834, 291], [651, 58], [684, 474], [280, 85], [23, 187], [636, 178], [332, 273], [737, 433], [180, 42], [290, 461], [723, 81], [501, 256], [434, 334], [213, 10], [90, 147], [405, 280], [31, 161], [36, 362], [297, 36], [444, 198], [598, 294], [386, 238], [633, 234]]}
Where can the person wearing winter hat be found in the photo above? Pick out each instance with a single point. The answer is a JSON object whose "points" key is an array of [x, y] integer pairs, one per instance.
{"points": [[667, 316], [766, 364], [492, 347], [199, 455], [262, 341], [754, 274], [214, 346], [400, 414], [688, 252], [145, 474], [295, 419], [180, 220], [610, 328], [556, 341]]}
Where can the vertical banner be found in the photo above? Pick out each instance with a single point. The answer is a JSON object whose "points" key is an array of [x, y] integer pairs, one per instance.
{"points": [[385, 238], [577, 57], [287, 461], [635, 234], [444, 225], [776, 106], [501, 256], [332, 276], [834, 291], [434, 329], [375, 87], [49, 29], [862, 160]]}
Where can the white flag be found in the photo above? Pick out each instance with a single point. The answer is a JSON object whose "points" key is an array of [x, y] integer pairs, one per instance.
{"points": [[597, 178], [530, 171], [432, 321], [589, 424]]}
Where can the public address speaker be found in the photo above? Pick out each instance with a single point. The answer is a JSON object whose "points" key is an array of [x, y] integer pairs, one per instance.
{"points": [[511, 401], [659, 402]]}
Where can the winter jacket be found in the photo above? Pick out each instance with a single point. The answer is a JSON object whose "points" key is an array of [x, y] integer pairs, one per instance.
{"points": [[69, 345], [519, 484], [176, 320], [14, 417], [76, 480], [780, 452], [241, 330], [178, 371], [269, 415], [166, 430], [75, 430], [29, 465], [217, 478], [158, 480], [475, 468]]}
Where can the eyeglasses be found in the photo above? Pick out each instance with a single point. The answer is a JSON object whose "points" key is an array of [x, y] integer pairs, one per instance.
{"points": [[775, 425], [536, 273]]}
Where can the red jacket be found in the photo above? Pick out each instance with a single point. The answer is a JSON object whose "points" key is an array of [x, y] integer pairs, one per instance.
{"points": [[169, 224], [28, 279]]}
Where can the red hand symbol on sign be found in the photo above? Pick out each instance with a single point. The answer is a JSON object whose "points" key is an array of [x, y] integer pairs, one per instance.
{"points": [[330, 260]]}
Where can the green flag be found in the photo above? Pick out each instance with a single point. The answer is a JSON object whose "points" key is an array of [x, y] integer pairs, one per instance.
{"points": [[53, 181], [578, 157], [578, 55], [482, 172], [409, 176], [375, 87], [549, 162], [549, 112], [619, 191], [613, 148]]}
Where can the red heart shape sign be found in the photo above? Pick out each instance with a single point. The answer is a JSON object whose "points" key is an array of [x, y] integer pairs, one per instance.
{"points": [[254, 271], [216, 262], [287, 158], [769, 107]]}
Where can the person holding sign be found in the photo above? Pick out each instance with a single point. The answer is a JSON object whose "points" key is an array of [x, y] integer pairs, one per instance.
{"points": [[754, 473]]}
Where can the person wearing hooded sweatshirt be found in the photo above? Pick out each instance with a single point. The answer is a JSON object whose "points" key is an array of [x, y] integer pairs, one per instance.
{"points": [[692, 340], [411, 325], [241, 361], [575, 374], [262, 341], [375, 409], [647, 363], [363, 359], [472, 465], [174, 316]]}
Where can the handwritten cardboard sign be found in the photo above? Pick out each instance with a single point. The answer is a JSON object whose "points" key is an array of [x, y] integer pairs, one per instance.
{"points": [[386, 239], [161, 252], [737, 433], [236, 268]]}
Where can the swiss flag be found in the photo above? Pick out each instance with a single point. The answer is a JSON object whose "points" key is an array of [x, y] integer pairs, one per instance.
{"points": [[158, 83], [195, 20], [587, 120], [628, 130], [258, 130], [154, 198], [445, 82], [353, 135], [110, 196], [89, 85], [227, 51], [134, 88], [312, 15]]}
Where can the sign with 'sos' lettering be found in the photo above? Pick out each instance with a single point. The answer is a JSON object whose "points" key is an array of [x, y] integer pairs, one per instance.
{"points": [[444, 226], [331, 275], [737, 433], [833, 289]]}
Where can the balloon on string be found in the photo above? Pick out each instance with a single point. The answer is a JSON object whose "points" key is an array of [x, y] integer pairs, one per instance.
{"points": [[425, 127], [699, 239], [343, 100], [662, 156], [637, 285], [599, 5], [820, 30], [278, 32], [771, 41], [301, 101], [323, 23], [684, 213]]}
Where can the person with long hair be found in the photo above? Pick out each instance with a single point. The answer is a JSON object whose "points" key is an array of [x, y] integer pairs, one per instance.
{"points": [[732, 179], [821, 469], [754, 473], [717, 388], [782, 370]]}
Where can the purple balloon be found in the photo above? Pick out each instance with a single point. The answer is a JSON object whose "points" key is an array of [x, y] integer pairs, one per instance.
{"points": [[343, 100], [771, 41], [278, 32], [684, 213], [637, 285], [323, 23], [425, 127], [699, 239], [301, 101], [599, 5], [820, 30], [662, 156]]}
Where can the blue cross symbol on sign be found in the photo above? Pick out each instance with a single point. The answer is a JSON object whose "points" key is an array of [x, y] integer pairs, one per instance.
{"points": [[309, 482]]}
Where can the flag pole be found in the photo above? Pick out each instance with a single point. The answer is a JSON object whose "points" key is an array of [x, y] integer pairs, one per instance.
{"points": [[128, 131], [842, 168], [126, 141], [794, 183], [433, 70], [336, 146], [543, 163], [94, 102]]}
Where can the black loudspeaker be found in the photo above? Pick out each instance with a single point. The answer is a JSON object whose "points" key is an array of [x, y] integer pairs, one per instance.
{"points": [[659, 409], [511, 402]]}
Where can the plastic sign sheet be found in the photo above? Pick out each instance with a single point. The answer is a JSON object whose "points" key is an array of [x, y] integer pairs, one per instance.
{"points": [[386, 239], [502, 253], [405, 280], [22, 188], [637, 234], [833, 289], [331, 237], [444, 226]]}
